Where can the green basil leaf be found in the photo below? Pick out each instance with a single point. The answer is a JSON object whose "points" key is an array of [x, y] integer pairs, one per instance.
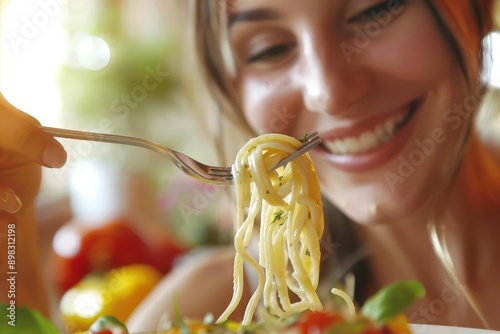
{"points": [[22, 320], [108, 322], [392, 300]]}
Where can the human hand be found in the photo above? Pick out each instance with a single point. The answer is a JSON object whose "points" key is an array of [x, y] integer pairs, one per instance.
{"points": [[24, 147]]}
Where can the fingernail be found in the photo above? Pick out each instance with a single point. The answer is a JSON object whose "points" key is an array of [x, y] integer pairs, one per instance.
{"points": [[9, 202], [54, 156]]}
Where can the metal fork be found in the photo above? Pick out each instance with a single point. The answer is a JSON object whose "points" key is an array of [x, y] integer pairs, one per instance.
{"points": [[201, 172]]}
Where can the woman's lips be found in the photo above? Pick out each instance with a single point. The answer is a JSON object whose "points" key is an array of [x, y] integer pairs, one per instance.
{"points": [[371, 144]]}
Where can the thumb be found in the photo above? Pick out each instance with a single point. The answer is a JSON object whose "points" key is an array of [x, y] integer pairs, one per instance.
{"points": [[9, 202]]}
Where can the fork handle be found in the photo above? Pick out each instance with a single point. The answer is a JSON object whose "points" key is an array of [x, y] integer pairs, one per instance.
{"points": [[89, 136], [107, 138]]}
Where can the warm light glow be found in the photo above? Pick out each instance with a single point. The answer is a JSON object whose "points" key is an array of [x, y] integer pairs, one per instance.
{"points": [[33, 48], [96, 192], [93, 53], [67, 242], [492, 56], [85, 304]]}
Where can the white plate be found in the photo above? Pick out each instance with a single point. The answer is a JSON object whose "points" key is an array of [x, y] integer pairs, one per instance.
{"points": [[432, 329]]}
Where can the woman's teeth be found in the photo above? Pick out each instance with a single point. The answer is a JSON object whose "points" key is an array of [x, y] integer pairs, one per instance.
{"points": [[368, 139]]}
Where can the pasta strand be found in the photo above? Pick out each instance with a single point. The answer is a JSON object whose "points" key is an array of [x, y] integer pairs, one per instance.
{"points": [[291, 226]]}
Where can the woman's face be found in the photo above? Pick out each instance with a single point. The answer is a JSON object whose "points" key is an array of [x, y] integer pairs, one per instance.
{"points": [[376, 79]]}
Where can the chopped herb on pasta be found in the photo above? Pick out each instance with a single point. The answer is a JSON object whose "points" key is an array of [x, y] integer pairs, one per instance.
{"points": [[287, 203]]}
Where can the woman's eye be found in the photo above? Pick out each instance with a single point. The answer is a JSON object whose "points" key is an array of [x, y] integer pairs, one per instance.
{"points": [[383, 8], [270, 53]]}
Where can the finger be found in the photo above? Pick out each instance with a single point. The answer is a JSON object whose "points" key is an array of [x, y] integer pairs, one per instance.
{"points": [[20, 133], [9, 202]]}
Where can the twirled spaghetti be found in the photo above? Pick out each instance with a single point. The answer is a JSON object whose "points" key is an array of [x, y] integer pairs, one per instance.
{"points": [[291, 224]]}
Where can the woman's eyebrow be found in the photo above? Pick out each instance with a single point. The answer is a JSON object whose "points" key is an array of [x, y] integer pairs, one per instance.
{"points": [[253, 15]]}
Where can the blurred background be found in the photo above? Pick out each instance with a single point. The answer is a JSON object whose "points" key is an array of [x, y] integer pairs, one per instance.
{"points": [[121, 67], [111, 66]]}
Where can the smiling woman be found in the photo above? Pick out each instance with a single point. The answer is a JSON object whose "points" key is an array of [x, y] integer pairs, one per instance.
{"points": [[393, 88]]}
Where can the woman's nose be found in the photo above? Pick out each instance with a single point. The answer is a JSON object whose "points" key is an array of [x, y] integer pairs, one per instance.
{"points": [[330, 82]]}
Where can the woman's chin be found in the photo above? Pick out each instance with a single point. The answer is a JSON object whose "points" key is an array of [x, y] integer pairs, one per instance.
{"points": [[379, 211]]}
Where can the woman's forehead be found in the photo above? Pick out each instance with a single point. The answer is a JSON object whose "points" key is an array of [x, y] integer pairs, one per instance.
{"points": [[234, 4], [283, 7], [255, 10]]}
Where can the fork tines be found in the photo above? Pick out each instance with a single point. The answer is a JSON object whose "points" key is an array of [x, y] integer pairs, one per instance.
{"points": [[309, 142], [221, 172]]}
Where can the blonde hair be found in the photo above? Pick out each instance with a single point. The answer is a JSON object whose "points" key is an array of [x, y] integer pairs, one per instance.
{"points": [[214, 58]]}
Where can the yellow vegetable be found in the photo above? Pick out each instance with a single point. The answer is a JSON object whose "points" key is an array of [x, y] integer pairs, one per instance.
{"points": [[116, 293], [399, 325]]}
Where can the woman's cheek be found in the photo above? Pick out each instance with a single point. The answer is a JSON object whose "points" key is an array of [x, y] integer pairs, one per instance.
{"points": [[267, 108], [251, 93]]}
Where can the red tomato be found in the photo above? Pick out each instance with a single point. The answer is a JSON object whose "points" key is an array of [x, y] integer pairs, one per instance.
{"points": [[312, 322], [112, 245]]}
